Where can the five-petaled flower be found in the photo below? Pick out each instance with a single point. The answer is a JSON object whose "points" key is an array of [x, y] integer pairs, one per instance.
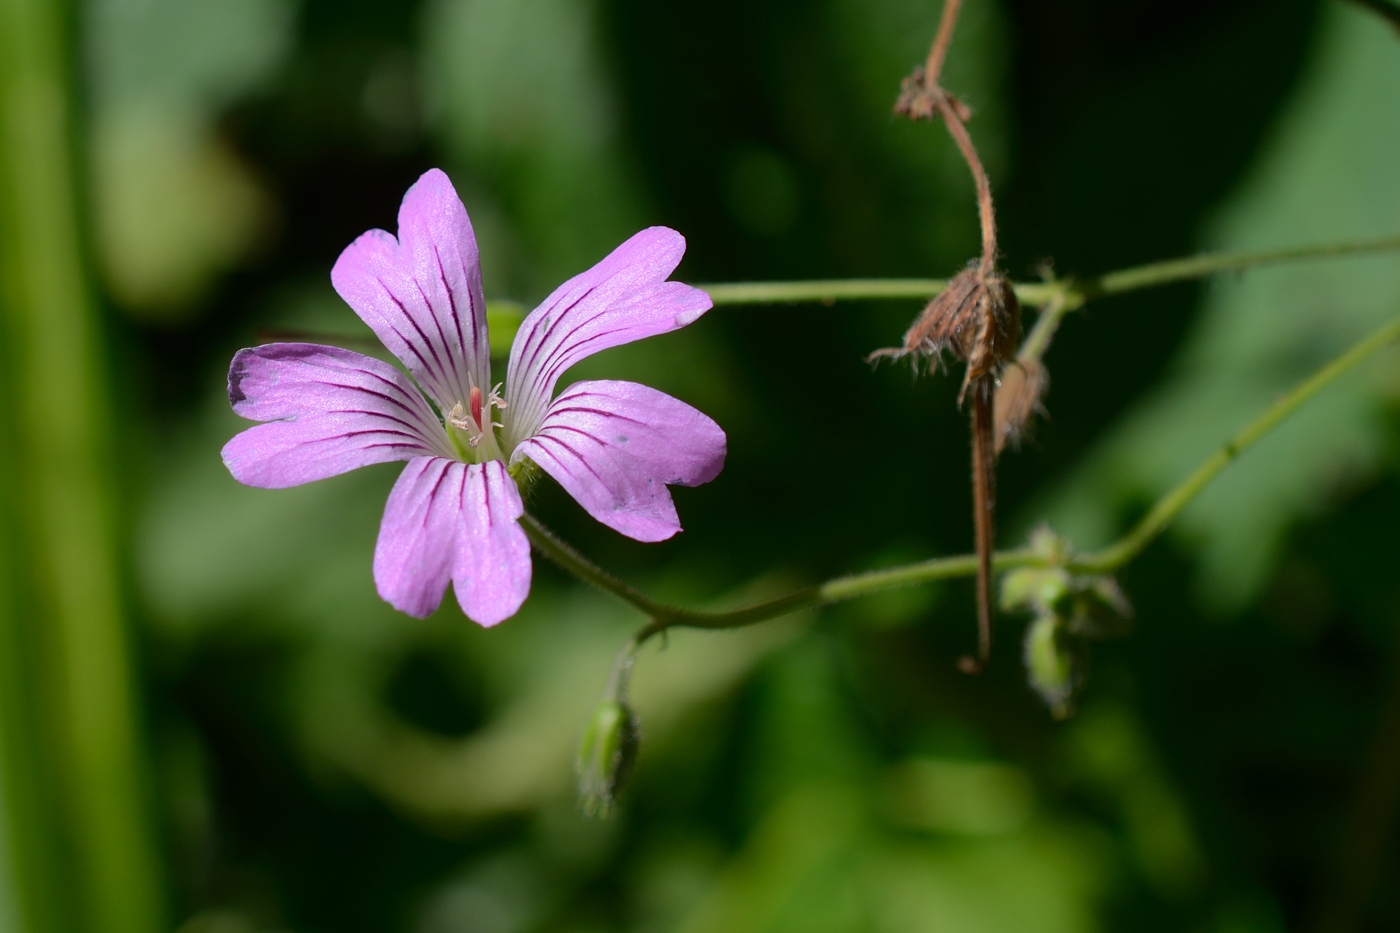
{"points": [[453, 514]]}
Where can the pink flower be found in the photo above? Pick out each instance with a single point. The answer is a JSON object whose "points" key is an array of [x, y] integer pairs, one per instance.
{"points": [[453, 514]]}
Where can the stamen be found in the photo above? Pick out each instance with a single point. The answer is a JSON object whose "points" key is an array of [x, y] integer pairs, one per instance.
{"points": [[457, 417]]}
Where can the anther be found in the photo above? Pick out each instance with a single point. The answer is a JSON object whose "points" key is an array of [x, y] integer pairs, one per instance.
{"points": [[457, 417]]}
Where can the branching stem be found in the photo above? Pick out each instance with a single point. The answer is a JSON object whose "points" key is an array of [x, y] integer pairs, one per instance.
{"points": [[662, 616]]}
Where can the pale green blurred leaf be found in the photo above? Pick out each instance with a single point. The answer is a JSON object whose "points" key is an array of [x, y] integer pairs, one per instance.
{"points": [[174, 205]]}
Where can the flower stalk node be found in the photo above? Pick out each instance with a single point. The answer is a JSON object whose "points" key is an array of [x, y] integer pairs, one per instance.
{"points": [[920, 100]]}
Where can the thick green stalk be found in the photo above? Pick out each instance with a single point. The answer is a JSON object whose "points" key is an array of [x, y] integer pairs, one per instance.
{"points": [[85, 858], [662, 617]]}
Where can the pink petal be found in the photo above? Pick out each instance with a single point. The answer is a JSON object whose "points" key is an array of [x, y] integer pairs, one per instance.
{"points": [[447, 520], [614, 446], [421, 293], [623, 298], [492, 576], [330, 411]]}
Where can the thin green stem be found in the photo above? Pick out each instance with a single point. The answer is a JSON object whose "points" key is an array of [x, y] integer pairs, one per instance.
{"points": [[552, 546], [1076, 292], [662, 616], [1208, 264], [1038, 340], [833, 290], [1176, 499]]}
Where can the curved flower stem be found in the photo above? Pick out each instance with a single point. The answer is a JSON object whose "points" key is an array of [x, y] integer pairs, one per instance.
{"points": [[986, 210], [1074, 291], [835, 590], [662, 616], [552, 546]]}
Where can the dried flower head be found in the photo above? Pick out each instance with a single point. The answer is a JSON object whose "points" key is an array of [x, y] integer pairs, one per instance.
{"points": [[976, 318], [1018, 400]]}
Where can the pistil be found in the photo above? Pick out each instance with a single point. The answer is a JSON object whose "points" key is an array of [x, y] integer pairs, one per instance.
{"points": [[472, 423]]}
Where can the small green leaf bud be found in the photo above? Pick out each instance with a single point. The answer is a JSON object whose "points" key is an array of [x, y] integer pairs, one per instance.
{"points": [[1039, 589], [503, 319], [606, 756], [1053, 664]]}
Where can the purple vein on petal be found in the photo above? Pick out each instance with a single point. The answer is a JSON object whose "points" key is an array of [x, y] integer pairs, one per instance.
{"points": [[456, 317], [441, 375]]}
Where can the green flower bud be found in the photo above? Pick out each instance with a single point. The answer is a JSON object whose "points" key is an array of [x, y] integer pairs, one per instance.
{"points": [[1053, 663], [605, 757]]}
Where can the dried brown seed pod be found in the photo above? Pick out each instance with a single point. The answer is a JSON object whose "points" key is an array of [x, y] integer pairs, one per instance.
{"points": [[1018, 400], [976, 318]]}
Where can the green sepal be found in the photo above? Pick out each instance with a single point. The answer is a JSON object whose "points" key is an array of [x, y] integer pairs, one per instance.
{"points": [[1054, 663], [606, 756]]}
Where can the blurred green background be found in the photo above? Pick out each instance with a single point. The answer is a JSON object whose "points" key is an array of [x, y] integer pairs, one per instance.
{"points": [[212, 724]]}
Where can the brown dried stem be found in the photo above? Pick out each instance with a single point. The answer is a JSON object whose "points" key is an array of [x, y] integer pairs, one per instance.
{"points": [[986, 211], [938, 52], [983, 517], [980, 327]]}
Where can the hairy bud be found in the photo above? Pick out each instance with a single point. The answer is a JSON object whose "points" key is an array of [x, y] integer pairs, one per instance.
{"points": [[606, 756]]}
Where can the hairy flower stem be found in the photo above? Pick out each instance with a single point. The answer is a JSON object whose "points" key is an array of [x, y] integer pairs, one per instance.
{"points": [[662, 617]]}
